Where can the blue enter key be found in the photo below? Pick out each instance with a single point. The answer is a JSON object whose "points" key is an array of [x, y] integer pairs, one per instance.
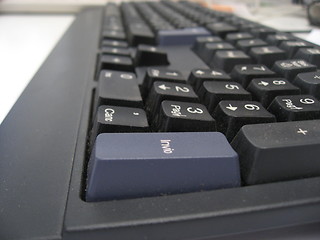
{"points": [[132, 165]]}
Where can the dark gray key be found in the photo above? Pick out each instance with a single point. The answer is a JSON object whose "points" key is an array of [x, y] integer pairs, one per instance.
{"points": [[113, 35], [295, 108], [267, 55], [245, 73], [278, 151], [226, 60], [266, 89], [112, 62], [262, 32], [289, 69], [234, 37], [213, 92], [184, 117], [147, 55], [277, 39], [168, 91], [311, 55], [309, 83], [221, 29], [139, 33], [114, 43], [201, 41], [291, 47], [131, 165], [118, 89], [210, 49], [246, 45], [198, 76], [232, 115], [157, 74], [119, 119], [116, 51]]}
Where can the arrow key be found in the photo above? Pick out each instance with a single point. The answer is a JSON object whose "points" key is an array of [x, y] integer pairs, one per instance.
{"points": [[266, 89], [245, 73], [213, 92], [232, 115], [160, 74], [161, 91], [198, 76]]}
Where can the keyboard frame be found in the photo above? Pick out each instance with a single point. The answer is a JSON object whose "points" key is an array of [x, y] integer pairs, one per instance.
{"points": [[47, 128]]}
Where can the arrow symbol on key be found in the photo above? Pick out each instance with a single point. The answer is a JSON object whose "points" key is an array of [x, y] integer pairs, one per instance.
{"points": [[199, 72], [215, 73], [230, 107], [263, 83], [163, 87], [172, 74]]}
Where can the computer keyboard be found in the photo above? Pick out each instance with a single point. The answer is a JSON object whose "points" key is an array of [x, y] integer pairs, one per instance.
{"points": [[165, 120]]}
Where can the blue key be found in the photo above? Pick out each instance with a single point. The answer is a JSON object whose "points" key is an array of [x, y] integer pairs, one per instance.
{"points": [[181, 36], [131, 165]]}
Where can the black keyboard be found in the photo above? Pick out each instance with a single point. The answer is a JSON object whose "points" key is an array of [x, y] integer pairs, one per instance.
{"points": [[165, 120]]}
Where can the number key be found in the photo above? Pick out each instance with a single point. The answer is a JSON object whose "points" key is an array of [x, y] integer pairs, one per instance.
{"points": [[214, 92], [184, 117], [232, 115], [168, 91], [266, 89], [295, 108]]}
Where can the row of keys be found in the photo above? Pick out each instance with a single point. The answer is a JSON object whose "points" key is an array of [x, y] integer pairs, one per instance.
{"points": [[122, 90], [267, 153]]}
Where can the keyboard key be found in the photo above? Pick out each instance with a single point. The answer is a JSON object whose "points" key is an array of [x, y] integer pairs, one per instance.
{"points": [[262, 32], [181, 36], [166, 75], [184, 117], [232, 115], [245, 73], [210, 49], [201, 41], [150, 56], [309, 83], [246, 45], [311, 55], [110, 119], [277, 39], [213, 92], [139, 33], [291, 47], [278, 151], [295, 108], [116, 51], [113, 35], [267, 55], [118, 89], [221, 29], [289, 69], [234, 37], [168, 91], [112, 62], [226, 60], [266, 89], [132, 165], [114, 43], [198, 76]]}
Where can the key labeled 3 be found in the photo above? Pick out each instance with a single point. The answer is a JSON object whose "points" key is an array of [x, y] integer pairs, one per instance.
{"points": [[184, 116]]}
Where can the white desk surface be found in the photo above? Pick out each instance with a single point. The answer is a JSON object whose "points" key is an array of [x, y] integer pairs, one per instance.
{"points": [[26, 41]]}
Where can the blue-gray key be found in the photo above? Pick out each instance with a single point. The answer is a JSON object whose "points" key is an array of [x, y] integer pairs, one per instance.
{"points": [[181, 36], [131, 165]]}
